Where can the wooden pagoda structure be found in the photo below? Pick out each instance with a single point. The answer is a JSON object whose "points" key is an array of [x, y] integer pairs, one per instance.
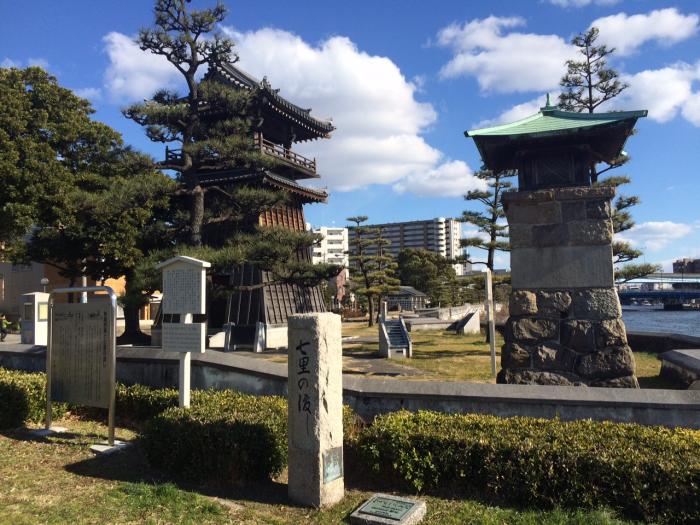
{"points": [[278, 125]]}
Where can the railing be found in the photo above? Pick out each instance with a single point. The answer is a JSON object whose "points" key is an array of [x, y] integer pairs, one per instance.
{"points": [[266, 148], [275, 150]]}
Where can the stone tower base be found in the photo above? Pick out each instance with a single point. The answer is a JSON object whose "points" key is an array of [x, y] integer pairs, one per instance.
{"points": [[565, 325]]}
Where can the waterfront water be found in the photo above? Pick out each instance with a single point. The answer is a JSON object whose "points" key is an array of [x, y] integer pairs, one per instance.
{"points": [[655, 319]]}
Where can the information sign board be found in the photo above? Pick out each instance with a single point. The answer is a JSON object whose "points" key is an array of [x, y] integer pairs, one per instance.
{"points": [[80, 353], [178, 337], [183, 289]]}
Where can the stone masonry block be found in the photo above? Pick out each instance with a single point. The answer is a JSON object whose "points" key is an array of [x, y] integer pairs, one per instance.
{"points": [[597, 304], [589, 232], [578, 335], [548, 235], [520, 235], [552, 357], [573, 211], [610, 332], [584, 193], [548, 212], [554, 304], [608, 363], [536, 377], [531, 329], [618, 382], [514, 355], [598, 209], [560, 267], [522, 302]]}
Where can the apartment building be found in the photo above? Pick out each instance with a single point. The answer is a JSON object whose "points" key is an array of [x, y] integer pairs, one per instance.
{"points": [[440, 235]]}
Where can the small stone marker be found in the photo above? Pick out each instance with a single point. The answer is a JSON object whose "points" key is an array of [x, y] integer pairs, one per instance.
{"points": [[315, 414], [385, 508]]}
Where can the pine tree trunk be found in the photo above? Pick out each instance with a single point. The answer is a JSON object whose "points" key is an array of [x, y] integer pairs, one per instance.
{"points": [[197, 218], [371, 310], [132, 328]]}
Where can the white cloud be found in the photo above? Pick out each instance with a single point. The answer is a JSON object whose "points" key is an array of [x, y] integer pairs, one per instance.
{"points": [[519, 111], [502, 61], [31, 62], [665, 92], [374, 107], [452, 178], [134, 74], [582, 3], [626, 33], [655, 235], [90, 93], [379, 121]]}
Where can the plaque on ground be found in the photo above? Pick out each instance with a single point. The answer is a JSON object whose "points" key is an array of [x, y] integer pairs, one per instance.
{"points": [[385, 508], [81, 353]]}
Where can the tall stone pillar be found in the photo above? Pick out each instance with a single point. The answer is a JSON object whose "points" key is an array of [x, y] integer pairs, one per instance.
{"points": [[565, 325], [315, 411]]}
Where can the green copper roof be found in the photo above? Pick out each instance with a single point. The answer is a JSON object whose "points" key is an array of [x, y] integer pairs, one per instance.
{"points": [[551, 121]]}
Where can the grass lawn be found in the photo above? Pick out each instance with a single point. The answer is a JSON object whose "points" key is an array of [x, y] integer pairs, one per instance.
{"points": [[58, 480], [445, 356]]}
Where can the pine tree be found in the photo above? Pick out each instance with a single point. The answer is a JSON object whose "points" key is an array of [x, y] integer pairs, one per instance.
{"points": [[588, 84], [210, 124], [370, 264], [88, 204], [494, 233], [210, 128]]}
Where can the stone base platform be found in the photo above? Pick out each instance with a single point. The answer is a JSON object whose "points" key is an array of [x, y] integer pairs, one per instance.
{"points": [[681, 366]]}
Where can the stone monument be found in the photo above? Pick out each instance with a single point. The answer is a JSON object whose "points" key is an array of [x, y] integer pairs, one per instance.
{"points": [[565, 325], [315, 412]]}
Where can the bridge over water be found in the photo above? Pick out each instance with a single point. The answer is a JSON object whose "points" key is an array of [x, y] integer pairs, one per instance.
{"points": [[686, 290]]}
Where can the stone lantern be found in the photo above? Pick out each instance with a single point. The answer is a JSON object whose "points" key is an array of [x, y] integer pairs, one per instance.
{"points": [[565, 325]]}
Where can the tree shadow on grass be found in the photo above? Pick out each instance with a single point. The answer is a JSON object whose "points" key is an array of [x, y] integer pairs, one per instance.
{"points": [[131, 465]]}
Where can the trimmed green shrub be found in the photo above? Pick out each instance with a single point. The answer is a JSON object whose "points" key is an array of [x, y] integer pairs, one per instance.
{"points": [[223, 436], [23, 398], [139, 403], [649, 473]]}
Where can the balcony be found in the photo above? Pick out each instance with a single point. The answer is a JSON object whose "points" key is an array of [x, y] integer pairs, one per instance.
{"points": [[297, 166], [286, 156]]}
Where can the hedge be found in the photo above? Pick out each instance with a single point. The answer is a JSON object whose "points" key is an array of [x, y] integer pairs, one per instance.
{"points": [[649, 473], [223, 436], [23, 398]]}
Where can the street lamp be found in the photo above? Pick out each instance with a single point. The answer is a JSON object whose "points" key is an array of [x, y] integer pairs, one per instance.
{"points": [[44, 282]]}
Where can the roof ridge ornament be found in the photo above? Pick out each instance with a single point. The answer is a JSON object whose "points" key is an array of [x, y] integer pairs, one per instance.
{"points": [[548, 106]]}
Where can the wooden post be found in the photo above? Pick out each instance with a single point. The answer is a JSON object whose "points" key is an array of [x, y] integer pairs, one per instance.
{"points": [[184, 379], [490, 320]]}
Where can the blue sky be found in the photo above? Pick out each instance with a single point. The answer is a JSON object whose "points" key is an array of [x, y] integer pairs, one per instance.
{"points": [[402, 80]]}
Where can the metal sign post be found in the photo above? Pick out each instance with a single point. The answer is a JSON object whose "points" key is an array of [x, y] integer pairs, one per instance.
{"points": [[81, 355], [490, 319]]}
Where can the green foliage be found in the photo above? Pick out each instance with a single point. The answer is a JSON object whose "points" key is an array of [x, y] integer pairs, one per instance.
{"points": [[432, 274], [493, 231], [649, 473], [224, 436], [588, 83], [372, 266], [23, 398]]}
